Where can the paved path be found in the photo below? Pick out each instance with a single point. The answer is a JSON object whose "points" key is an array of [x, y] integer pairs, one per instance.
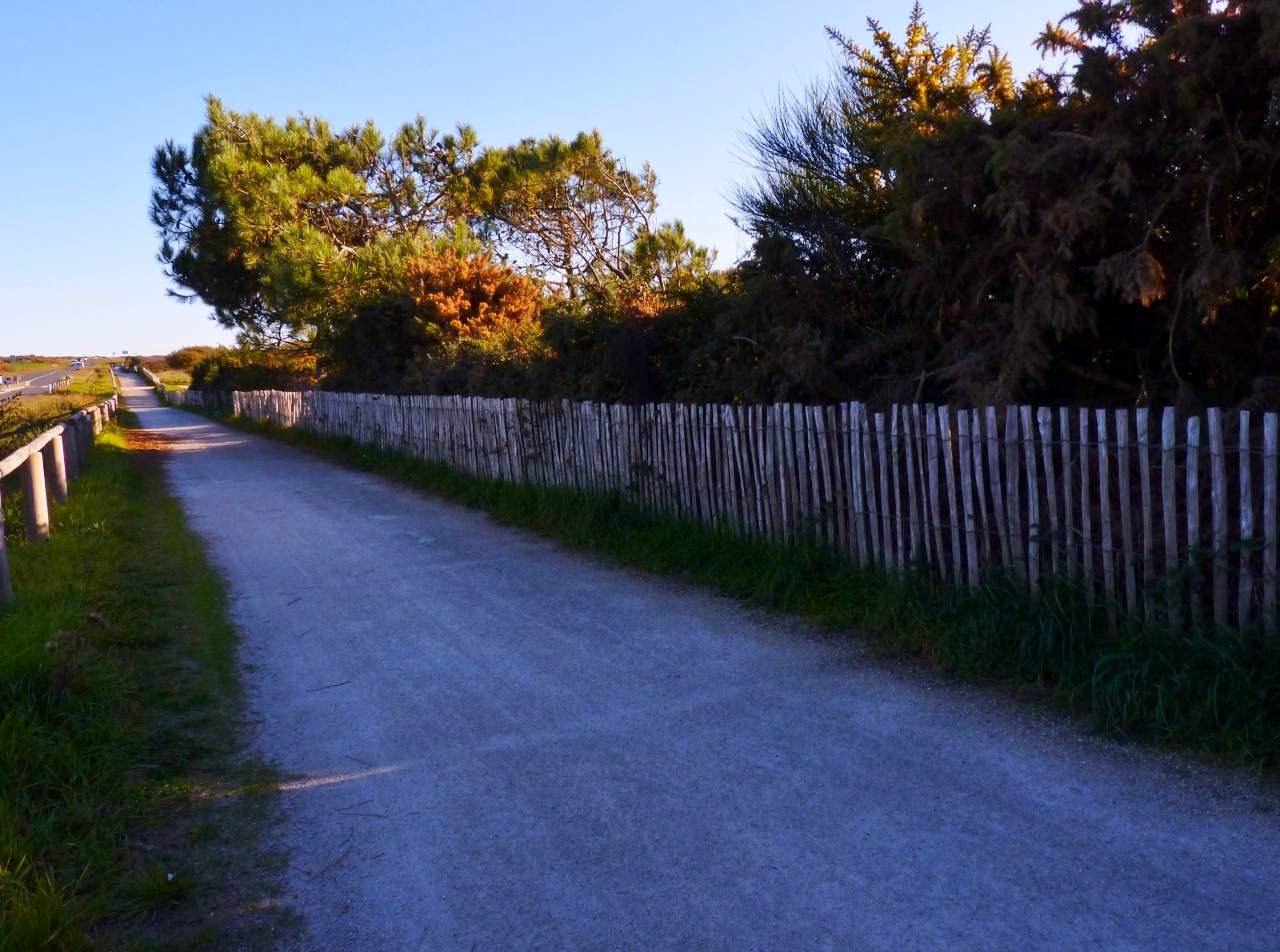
{"points": [[503, 745]]}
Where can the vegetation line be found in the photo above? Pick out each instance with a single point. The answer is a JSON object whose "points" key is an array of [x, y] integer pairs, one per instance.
{"points": [[1216, 695], [926, 226], [117, 703]]}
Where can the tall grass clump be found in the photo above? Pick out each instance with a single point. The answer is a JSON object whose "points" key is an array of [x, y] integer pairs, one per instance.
{"points": [[1212, 692]]}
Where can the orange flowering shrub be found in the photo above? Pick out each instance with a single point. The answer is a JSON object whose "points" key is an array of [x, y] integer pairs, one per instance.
{"points": [[475, 299]]}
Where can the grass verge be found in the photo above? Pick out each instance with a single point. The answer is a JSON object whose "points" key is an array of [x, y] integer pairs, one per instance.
{"points": [[1214, 695], [128, 815]]}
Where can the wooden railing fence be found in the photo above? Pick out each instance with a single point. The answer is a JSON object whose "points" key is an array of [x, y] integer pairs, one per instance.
{"points": [[1161, 515], [47, 465]]}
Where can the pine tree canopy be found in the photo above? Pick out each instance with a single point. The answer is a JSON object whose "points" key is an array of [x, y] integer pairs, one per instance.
{"points": [[1108, 231], [926, 227]]}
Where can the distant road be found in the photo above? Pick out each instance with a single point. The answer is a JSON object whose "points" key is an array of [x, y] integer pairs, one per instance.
{"points": [[31, 384]]}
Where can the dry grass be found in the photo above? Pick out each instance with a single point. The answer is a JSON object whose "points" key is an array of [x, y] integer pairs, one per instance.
{"points": [[34, 365]]}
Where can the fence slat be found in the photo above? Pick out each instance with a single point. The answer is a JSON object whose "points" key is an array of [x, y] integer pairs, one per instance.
{"points": [[1269, 446], [1126, 510], [1104, 517], [738, 431], [921, 482], [810, 490], [794, 510], [856, 469], [1013, 477], [886, 527], [966, 493], [1193, 517], [874, 506], [759, 474], [1068, 507], [768, 482], [894, 439], [829, 522], [804, 474], [980, 490], [1144, 475], [719, 468], [684, 457], [836, 495], [1244, 602], [910, 421], [1169, 511], [1033, 500], [819, 474], [935, 513], [997, 492], [1218, 504], [1044, 421], [954, 525]]}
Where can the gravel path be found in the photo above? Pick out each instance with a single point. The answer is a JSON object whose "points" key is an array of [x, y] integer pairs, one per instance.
{"points": [[499, 745]]}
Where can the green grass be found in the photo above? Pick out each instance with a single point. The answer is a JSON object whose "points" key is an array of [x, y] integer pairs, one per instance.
{"points": [[94, 380], [1216, 695], [117, 699]]}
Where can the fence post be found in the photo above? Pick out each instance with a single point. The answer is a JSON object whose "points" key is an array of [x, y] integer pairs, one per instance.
{"points": [[1104, 515], [1218, 504], [78, 434], [1193, 515], [1033, 500], [37, 502], [1269, 428], [1169, 510], [1044, 422], [1245, 598], [1013, 475], [70, 456], [56, 469]]}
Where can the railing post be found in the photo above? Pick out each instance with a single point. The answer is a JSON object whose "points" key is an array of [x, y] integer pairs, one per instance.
{"points": [[70, 452], [37, 502], [55, 464], [84, 437]]}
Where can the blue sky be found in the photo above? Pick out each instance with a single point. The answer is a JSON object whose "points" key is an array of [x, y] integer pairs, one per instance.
{"points": [[89, 90]]}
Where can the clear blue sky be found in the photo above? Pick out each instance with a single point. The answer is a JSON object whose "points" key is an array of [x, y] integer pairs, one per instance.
{"points": [[89, 90]]}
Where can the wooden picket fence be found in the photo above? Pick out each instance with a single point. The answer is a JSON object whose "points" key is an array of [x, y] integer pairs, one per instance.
{"points": [[964, 493]]}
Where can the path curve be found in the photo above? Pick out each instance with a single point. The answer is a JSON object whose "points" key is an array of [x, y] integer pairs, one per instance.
{"points": [[504, 745]]}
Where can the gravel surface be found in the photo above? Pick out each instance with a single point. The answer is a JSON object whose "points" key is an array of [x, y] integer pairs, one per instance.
{"points": [[499, 744]]}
